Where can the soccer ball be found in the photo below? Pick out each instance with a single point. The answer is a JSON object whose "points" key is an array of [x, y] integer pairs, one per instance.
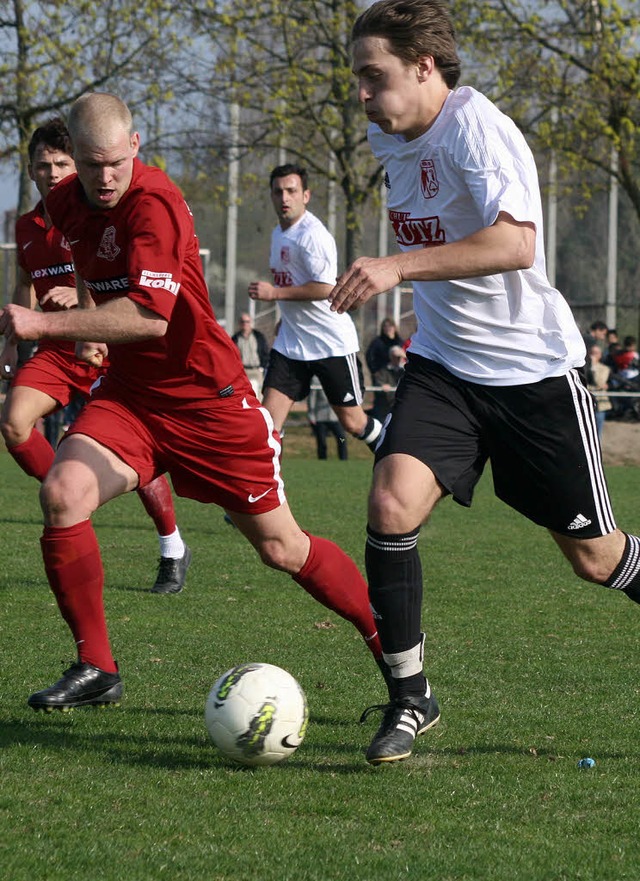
{"points": [[256, 714]]}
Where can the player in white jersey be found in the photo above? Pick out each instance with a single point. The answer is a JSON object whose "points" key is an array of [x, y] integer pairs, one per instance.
{"points": [[313, 340], [494, 368]]}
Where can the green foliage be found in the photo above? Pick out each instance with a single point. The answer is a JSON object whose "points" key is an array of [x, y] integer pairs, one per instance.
{"points": [[288, 65], [53, 52], [533, 671], [569, 73]]}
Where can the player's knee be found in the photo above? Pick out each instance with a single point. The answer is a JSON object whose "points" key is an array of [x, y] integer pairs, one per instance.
{"points": [[287, 554], [58, 498], [590, 569], [274, 554], [387, 514], [353, 420], [12, 430]]}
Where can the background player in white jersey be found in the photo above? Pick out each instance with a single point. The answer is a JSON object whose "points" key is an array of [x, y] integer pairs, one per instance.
{"points": [[312, 339], [494, 370]]}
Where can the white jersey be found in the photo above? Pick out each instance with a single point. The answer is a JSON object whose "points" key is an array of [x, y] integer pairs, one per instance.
{"points": [[507, 329], [309, 330]]}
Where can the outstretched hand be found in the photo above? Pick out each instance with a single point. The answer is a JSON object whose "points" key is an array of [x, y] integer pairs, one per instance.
{"points": [[365, 278]]}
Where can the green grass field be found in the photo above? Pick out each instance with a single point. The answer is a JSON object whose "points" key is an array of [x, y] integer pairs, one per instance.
{"points": [[533, 671]]}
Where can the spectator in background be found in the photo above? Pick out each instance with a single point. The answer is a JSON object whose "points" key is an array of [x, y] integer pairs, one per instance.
{"points": [[598, 381], [596, 335], [387, 378], [323, 422], [613, 347], [377, 355], [626, 361], [254, 352]]}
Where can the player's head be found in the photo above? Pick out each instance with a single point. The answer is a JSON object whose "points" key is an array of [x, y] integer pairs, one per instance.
{"points": [[290, 193], [245, 324], [599, 330], [388, 328], [104, 147], [50, 157], [406, 59], [595, 353]]}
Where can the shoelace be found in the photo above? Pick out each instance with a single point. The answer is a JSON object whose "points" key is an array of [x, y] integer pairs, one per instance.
{"points": [[372, 709], [398, 704]]}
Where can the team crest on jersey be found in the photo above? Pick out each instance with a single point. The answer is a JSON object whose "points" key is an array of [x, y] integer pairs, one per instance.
{"points": [[428, 178], [108, 249], [64, 244], [284, 254]]}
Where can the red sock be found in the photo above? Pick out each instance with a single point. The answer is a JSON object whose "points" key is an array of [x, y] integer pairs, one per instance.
{"points": [[74, 569], [334, 580], [158, 502], [35, 456]]}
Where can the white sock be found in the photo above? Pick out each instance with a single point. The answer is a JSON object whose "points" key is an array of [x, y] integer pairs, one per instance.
{"points": [[172, 545]]}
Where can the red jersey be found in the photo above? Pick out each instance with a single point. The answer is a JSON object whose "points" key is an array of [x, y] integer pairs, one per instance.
{"points": [[45, 256], [145, 248]]}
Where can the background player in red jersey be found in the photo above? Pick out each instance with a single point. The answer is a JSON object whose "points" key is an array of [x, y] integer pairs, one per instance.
{"points": [[175, 398], [49, 380]]}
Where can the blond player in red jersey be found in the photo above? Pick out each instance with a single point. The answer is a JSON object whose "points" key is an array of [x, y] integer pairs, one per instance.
{"points": [[49, 380], [176, 398]]}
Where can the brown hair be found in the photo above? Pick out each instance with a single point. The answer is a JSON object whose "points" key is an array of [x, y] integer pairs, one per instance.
{"points": [[53, 134], [414, 28]]}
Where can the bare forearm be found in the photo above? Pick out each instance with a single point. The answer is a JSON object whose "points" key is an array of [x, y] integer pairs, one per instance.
{"points": [[118, 321], [312, 290], [492, 250]]}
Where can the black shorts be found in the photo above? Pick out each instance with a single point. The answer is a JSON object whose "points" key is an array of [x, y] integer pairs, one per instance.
{"points": [[540, 439], [340, 377]]}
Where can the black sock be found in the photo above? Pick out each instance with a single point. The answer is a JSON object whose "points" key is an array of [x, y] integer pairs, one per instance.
{"points": [[626, 576], [394, 573]]}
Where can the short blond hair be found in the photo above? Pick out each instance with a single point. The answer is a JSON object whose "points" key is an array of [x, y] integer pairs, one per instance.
{"points": [[97, 112]]}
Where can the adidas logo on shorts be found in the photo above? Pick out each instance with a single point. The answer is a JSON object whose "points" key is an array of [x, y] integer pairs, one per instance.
{"points": [[579, 522]]}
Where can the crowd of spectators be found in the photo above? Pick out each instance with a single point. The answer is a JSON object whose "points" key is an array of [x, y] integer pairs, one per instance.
{"points": [[613, 366]]}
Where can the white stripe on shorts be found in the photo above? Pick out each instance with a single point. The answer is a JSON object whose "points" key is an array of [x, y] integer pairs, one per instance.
{"points": [[352, 363], [276, 449], [585, 415]]}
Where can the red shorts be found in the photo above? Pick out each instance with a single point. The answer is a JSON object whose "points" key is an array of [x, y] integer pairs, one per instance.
{"points": [[228, 454], [57, 374]]}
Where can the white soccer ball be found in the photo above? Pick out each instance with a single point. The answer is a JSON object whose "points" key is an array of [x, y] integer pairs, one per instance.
{"points": [[256, 714]]}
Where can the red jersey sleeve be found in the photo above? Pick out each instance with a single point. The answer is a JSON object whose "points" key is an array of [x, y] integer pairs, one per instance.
{"points": [[160, 232]]}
